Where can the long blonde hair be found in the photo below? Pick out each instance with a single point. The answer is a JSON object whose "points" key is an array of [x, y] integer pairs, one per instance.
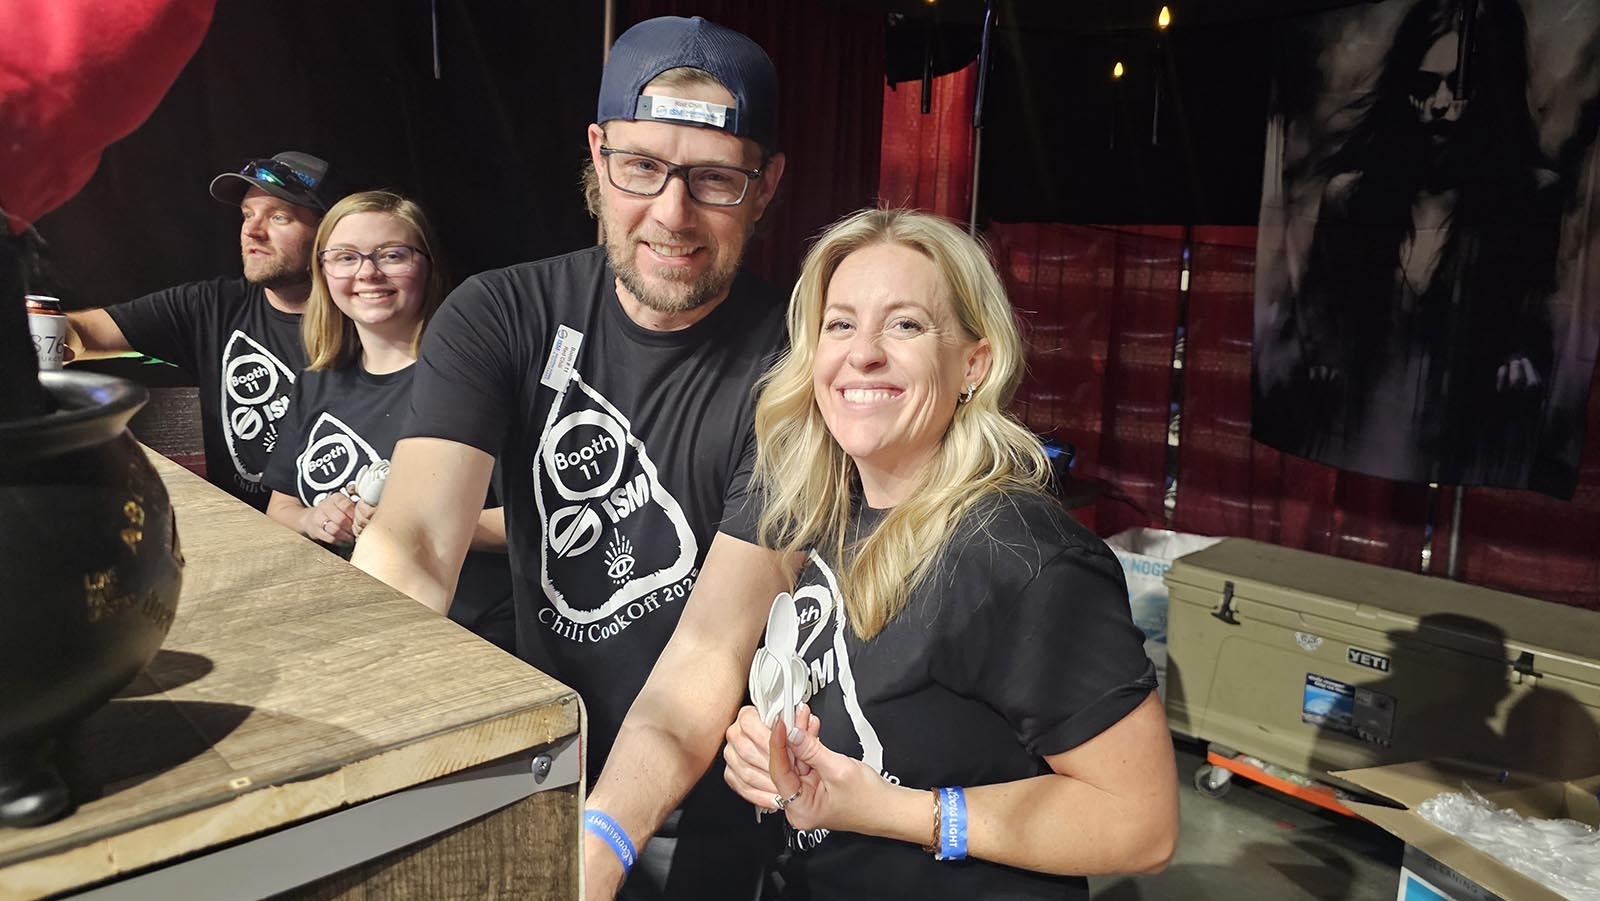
{"points": [[807, 481], [329, 335]]}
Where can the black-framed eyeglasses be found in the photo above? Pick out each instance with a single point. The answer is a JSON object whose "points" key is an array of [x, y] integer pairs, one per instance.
{"points": [[646, 176], [281, 174], [390, 259]]}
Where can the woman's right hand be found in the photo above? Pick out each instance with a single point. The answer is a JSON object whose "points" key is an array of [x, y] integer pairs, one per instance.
{"points": [[331, 521]]}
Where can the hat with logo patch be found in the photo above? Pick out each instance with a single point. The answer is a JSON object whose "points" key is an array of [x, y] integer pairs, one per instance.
{"points": [[669, 42], [299, 178]]}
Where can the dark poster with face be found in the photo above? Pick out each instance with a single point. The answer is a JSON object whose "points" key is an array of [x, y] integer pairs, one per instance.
{"points": [[1427, 261]]}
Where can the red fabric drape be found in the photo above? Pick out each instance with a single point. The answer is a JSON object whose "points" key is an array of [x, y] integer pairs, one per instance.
{"points": [[1229, 484], [928, 165], [1099, 308], [830, 76]]}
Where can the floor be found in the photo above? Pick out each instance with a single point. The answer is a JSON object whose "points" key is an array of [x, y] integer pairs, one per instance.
{"points": [[1256, 843]]}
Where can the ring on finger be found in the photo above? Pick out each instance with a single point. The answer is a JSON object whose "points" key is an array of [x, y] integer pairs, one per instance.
{"points": [[781, 802]]}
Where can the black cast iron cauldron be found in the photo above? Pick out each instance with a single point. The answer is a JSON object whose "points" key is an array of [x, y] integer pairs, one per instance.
{"points": [[90, 571]]}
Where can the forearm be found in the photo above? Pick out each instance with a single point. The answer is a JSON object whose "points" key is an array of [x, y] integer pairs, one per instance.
{"points": [[675, 726], [668, 740], [1048, 824], [93, 334], [1108, 806], [288, 512], [489, 534], [1058, 824]]}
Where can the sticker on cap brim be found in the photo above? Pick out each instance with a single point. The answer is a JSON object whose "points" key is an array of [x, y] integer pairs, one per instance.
{"points": [[697, 112]]}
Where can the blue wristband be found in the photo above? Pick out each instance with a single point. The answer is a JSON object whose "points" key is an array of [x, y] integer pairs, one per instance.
{"points": [[952, 824], [607, 828]]}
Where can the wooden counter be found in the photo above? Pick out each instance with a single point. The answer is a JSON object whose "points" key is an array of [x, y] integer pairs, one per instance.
{"points": [[291, 686]]}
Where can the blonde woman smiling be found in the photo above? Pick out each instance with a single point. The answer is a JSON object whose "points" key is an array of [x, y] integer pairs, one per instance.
{"points": [[959, 632]]}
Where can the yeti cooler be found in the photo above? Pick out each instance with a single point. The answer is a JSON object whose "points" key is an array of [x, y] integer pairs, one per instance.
{"points": [[1316, 663]]}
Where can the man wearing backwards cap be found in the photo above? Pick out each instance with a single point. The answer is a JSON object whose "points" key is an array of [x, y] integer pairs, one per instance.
{"points": [[238, 337], [615, 386]]}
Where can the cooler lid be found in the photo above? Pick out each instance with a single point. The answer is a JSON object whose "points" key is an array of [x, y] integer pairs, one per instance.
{"points": [[1563, 640]]}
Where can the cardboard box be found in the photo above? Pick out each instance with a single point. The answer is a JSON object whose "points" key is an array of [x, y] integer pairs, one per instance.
{"points": [[1464, 867], [1146, 555], [1424, 879]]}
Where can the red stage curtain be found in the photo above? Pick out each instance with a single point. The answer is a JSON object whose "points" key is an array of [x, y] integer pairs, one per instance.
{"points": [[1098, 308], [928, 164], [829, 59]]}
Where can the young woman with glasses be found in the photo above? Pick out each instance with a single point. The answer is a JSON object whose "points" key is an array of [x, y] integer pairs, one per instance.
{"points": [[376, 282]]}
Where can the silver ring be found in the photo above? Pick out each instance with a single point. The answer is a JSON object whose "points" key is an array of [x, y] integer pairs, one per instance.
{"points": [[783, 802]]}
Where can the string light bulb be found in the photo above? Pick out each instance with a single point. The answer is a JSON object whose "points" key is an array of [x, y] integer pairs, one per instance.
{"points": [[1164, 18], [1116, 71]]}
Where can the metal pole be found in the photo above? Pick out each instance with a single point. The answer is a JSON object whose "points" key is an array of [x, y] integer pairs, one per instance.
{"points": [[608, 31], [1452, 567], [1180, 341], [608, 36], [1425, 565], [433, 12], [977, 114], [977, 153]]}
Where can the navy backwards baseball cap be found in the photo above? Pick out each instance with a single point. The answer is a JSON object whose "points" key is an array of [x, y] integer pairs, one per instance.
{"points": [[656, 45], [299, 178]]}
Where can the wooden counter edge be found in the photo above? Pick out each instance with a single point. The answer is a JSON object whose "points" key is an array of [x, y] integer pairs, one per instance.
{"points": [[274, 806]]}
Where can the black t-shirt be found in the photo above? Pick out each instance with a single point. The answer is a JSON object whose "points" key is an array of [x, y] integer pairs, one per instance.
{"points": [[1018, 645], [244, 355], [615, 478], [343, 420]]}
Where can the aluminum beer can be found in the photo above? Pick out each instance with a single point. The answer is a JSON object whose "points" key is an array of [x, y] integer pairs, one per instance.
{"points": [[48, 326]]}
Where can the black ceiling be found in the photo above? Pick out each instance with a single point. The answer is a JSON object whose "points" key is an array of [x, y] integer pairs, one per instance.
{"points": [[1099, 16]]}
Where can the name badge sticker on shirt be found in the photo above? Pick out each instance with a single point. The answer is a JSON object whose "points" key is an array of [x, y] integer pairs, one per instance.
{"points": [[563, 357]]}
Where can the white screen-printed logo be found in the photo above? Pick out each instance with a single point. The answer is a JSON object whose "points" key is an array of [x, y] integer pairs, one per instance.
{"points": [[256, 387], [617, 543], [334, 456]]}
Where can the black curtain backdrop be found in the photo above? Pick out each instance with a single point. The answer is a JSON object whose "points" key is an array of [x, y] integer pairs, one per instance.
{"points": [[1063, 142], [492, 149]]}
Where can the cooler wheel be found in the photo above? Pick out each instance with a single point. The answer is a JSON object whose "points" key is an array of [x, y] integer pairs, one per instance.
{"points": [[1212, 781]]}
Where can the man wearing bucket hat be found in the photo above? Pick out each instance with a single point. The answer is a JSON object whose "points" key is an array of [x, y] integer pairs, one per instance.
{"points": [[238, 337], [615, 385]]}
